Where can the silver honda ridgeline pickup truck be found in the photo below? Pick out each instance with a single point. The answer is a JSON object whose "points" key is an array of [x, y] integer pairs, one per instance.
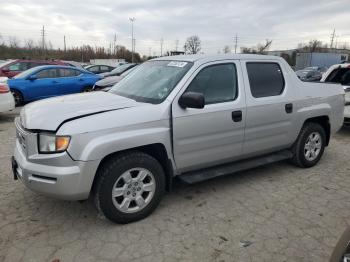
{"points": [[195, 117]]}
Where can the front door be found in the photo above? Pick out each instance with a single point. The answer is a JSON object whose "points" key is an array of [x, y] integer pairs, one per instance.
{"points": [[214, 134], [45, 85]]}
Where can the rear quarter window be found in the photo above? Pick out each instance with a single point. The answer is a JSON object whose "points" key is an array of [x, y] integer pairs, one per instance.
{"points": [[265, 79]]}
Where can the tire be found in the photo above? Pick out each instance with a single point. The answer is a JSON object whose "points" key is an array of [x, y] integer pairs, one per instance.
{"points": [[114, 176], [87, 89], [303, 147], [18, 97]]}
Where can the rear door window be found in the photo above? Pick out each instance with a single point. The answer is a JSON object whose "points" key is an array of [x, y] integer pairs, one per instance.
{"points": [[265, 79], [64, 72]]}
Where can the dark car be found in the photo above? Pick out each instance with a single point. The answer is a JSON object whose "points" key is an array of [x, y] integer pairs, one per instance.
{"points": [[14, 67], [309, 75], [98, 69], [119, 70], [48, 81], [341, 252], [107, 83]]}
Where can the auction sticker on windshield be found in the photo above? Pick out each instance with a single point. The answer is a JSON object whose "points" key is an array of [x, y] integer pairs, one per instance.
{"points": [[177, 64]]}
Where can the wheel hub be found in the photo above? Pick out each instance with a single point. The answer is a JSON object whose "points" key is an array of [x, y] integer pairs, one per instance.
{"points": [[133, 190]]}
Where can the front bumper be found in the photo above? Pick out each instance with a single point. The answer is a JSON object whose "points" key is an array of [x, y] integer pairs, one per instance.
{"points": [[55, 175]]}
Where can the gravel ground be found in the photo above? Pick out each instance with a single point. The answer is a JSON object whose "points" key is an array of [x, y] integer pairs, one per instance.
{"points": [[275, 213]]}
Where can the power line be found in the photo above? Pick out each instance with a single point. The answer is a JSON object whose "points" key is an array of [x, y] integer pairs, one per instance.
{"points": [[161, 46], [236, 42], [43, 39], [332, 37]]}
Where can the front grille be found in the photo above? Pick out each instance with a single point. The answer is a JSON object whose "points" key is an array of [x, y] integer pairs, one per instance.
{"points": [[21, 134]]}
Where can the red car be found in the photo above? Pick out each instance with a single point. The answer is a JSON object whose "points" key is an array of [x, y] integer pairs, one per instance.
{"points": [[14, 67]]}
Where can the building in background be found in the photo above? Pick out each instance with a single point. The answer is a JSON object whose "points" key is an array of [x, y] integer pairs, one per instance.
{"points": [[109, 62], [319, 59]]}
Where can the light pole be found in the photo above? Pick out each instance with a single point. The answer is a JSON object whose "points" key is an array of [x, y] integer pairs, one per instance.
{"points": [[132, 20]]}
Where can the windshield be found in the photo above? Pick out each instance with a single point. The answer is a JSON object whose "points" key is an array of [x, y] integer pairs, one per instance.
{"points": [[153, 81], [119, 69], [26, 73], [302, 72], [339, 75], [3, 64], [129, 71]]}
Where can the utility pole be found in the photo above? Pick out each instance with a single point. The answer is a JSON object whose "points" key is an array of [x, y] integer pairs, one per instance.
{"points": [[64, 43], [132, 20], [176, 44], [161, 46], [332, 38], [236, 42], [115, 44], [43, 40]]}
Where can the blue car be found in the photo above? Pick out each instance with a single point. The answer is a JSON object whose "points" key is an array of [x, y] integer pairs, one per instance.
{"points": [[48, 81]]}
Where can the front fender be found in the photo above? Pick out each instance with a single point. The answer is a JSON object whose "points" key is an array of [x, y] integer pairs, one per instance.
{"points": [[97, 145]]}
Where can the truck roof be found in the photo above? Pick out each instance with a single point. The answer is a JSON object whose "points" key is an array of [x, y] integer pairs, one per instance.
{"points": [[208, 58]]}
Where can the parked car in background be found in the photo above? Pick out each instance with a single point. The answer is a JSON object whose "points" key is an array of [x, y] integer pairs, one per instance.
{"points": [[309, 75], [47, 81], [14, 67], [341, 252], [7, 101], [107, 83], [194, 117], [340, 74], [73, 64], [321, 69], [118, 71], [98, 69]]}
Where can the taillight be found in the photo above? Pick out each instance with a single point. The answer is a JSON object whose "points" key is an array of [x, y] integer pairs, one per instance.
{"points": [[4, 89]]}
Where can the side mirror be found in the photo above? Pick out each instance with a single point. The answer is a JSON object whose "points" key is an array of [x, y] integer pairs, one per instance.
{"points": [[192, 100], [32, 77]]}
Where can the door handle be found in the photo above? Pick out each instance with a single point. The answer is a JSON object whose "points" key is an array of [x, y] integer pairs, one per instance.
{"points": [[54, 82], [80, 79], [237, 116], [289, 108]]}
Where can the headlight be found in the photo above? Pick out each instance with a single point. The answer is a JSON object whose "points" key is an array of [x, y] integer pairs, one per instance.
{"points": [[52, 144]]}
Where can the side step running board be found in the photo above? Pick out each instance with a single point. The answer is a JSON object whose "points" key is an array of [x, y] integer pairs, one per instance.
{"points": [[212, 172]]}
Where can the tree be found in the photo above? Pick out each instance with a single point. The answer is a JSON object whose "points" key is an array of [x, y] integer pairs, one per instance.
{"points": [[258, 49], [226, 49], [192, 45]]}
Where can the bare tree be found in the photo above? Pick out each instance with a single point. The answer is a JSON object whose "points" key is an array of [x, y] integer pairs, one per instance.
{"points": [[262, 48], [14, 42], [192, 45], [314, 45], [259, 49], [29, 44], [226, 49]]}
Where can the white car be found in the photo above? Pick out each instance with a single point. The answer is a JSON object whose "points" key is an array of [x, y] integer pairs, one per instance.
{"points": [[340, 74], [7, 102]]}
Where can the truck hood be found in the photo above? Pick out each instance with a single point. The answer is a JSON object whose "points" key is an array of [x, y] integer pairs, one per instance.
{"points": [[49, 114]]}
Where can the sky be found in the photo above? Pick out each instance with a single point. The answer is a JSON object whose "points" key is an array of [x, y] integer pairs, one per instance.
{"points": [[286, 22]]}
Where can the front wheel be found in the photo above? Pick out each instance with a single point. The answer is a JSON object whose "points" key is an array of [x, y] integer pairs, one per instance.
{"points": [[310, 145], [129, 187], [18, 97]]}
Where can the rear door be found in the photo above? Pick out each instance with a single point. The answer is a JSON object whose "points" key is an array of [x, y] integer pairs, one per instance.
{"points": [[69, 82], [214, 134], [270, 107]]}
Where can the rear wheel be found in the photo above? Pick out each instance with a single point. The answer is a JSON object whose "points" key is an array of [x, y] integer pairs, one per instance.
{"points": [[87, 89], [129, 187], [18, 97], [310, 145]]}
